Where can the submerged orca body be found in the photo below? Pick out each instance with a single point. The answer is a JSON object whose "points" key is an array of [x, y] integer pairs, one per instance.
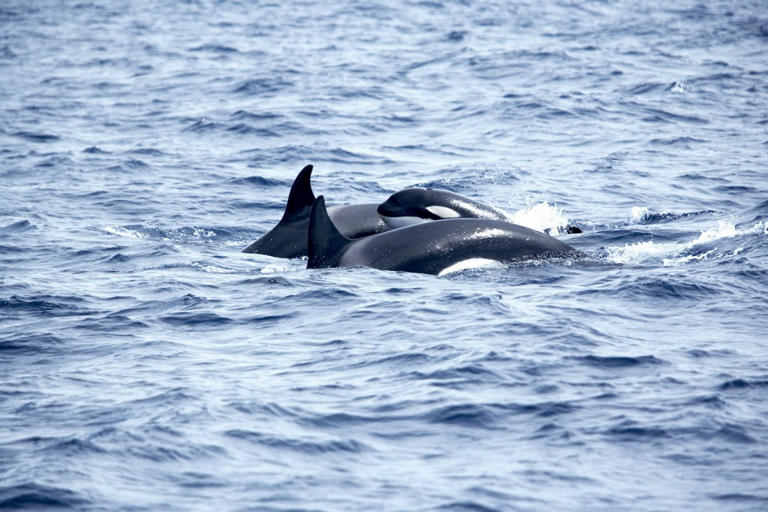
{"points": [[289, 238], [416, 205], [430, 248]]}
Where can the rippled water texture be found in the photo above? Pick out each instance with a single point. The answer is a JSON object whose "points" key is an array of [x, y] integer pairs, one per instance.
{"points": [[147, 364]]}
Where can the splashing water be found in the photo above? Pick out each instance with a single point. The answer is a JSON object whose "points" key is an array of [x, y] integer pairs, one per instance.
{"points": [[542, 217], [674, 253]]}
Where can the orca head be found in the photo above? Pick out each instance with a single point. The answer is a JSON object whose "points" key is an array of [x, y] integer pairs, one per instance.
{"points": [[413, 206]]}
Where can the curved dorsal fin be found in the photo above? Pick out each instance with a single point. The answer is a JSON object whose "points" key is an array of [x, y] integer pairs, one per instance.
{"points": [[325, 243], [301, 197]]}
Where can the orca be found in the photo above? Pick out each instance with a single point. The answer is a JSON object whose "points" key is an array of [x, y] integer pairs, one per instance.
{"points": [[289, 238], [417, 204], [436, 247]]}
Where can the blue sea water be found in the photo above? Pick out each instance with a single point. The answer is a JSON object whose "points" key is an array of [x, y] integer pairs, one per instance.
{"points": [[147, 364]]}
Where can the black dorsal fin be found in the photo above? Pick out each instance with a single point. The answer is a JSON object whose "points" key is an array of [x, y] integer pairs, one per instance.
{"points": [[301, 198], [325, 243]]}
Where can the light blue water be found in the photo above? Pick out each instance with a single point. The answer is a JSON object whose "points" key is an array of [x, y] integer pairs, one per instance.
{"points": [[147, 364]]}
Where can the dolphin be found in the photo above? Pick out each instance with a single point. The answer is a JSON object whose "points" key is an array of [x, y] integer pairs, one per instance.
{"points": [[417, 204], [289, 238], [436, 248]]}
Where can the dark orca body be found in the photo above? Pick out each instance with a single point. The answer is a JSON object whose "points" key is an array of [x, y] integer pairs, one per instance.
{"points": [[414, 205], [289, 238], [428, 248]]}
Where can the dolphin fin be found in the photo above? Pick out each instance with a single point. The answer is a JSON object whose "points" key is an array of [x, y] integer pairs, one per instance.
{"points": [[324, 241], [301, 197]]}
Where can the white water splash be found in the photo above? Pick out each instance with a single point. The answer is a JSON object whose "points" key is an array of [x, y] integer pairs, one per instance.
{"points": [[639, 213], [212, 269], [678, 87], [121, 231], [275, 269], [671, 253], [542, 217]]}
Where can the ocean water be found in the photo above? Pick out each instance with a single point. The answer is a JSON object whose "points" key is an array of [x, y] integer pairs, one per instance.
{"points": [[147, 364]]}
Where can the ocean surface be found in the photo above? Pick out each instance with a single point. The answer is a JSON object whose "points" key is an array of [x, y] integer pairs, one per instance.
{"points": [[147, 364]]}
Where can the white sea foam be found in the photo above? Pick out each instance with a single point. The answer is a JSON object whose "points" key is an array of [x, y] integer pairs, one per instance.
{"points": [[212, 269], [121, 231], [275, 269], [672, 253]]}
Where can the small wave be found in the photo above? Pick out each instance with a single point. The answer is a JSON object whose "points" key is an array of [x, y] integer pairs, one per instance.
{"points": [[95, 150], [677, 87], [73, 446], [118, 258], [181, 234], [268, 281], [6, 52], [677, 253], [657, 115], [467, 415], [125, 232], [619, 361], [456, 35], [645, 87], [32, 496], [466, 506], [643, 215], [147, 151], [52, 162], [47, 304], [259, 181], [244, 115], [201, 126], [630, 432], [245, 129], [463, 374], [216, 48], [190, 319], [742, 498], [165, 398], [24, 343], [275, 269], [340, 419], [11, 249], [36, 137], [17, 227], [743, 384], [668, 288], [733, 433], [260, 86], [308, 446], [343, 156], [675, 141], [134, 163]]}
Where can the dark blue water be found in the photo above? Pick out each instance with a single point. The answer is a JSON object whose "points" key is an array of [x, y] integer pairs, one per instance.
{"points": [[147, 364]]}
